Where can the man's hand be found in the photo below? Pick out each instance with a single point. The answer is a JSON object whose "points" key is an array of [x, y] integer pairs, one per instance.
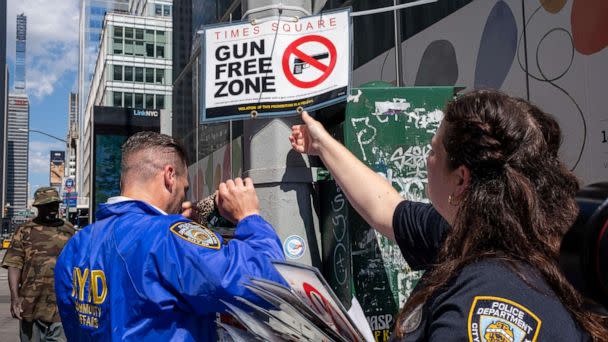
{"points": [[237, 199], [187, 209], [308, 138], [16, 309]]}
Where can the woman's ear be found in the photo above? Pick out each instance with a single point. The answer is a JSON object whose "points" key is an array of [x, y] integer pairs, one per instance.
{"points": [[463, 181]]}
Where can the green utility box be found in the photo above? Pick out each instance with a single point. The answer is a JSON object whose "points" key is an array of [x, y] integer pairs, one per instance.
{"points": [[390, 130]]}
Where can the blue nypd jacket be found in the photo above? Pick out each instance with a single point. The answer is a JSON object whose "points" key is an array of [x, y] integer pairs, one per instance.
{"points": [[137, 274]]}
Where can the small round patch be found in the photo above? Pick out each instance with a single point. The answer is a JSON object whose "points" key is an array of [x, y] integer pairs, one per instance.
{"points": [[412, 321], [294, 247], [196, 234]]}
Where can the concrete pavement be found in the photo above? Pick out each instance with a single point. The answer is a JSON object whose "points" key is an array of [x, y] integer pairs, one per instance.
{"points": [[9, 327]]}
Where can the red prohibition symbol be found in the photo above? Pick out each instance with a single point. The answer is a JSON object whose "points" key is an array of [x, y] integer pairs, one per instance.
{"points": [[293, 48]]}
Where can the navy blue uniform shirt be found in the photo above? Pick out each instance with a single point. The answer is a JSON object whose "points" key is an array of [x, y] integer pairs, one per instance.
{"points": [[486, 301], [137, 274]]}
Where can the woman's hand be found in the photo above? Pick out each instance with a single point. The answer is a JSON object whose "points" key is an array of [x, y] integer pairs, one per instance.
{"points": [[309, 137]]}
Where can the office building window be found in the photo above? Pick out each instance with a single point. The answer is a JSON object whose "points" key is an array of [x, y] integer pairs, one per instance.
{"points": [[160, 52], [117, 46], [158, 10], [94, 36], [98, 11], [129, 49], [139, 34], [149, 75], [149, 101], [128, 74], [130, 41], [139, 74], [149, 50], [160, 37], [160, 101], [160, 76], [129, 100], [117, 99], [149, 37], [139, 100], [117, 73], [166, 10], [95, 23], [139, 48]]}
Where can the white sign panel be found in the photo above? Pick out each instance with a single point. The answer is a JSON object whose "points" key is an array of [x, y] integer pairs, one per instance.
{"points": [[274, 67]]}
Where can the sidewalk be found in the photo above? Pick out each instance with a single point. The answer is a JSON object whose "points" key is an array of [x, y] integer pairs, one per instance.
{"points": [[9, 327]]}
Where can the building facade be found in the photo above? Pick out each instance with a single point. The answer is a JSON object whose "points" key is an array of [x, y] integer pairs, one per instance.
{"points": [[91, 16], [3, 112], [72, 136], [17, 153], [133, 70], [151, 8], [92, 13], [17, 140], [20, 53]]}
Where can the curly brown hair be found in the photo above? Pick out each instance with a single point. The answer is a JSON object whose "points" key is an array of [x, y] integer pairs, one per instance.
{"points": [[519, 190]]}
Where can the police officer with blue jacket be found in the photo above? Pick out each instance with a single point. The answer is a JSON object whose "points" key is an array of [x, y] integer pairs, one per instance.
{"points": [[143, 272]]}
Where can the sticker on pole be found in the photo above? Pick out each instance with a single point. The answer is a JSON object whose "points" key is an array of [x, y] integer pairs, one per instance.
{"points": [[274, 67]]}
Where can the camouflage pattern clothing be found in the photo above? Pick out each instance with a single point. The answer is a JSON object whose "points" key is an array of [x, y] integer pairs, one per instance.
{"points": [[34, 249]]}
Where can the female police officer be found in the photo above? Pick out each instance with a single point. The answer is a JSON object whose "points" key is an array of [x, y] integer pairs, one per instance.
{"points": [[489, 242]]}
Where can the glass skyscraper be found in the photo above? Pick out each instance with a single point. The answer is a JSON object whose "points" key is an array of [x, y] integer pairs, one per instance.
{"points": [[92, 13], [18, 123], [20, 55], [3, 112]]}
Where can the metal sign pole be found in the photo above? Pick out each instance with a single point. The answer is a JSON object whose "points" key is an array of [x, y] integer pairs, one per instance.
{"points": [[398, 58]]}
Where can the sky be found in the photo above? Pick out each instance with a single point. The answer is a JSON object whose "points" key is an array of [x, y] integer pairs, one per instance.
{"points": [[51, 74]]}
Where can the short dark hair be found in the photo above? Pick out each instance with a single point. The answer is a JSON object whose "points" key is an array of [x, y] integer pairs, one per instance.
{"points": [[146, 153]]}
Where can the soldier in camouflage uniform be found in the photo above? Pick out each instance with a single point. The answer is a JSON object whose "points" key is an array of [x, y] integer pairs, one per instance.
{"points": [[31, 263]]}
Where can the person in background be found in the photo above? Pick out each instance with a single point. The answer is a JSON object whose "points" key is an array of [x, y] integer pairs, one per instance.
{"points": [[30, 261], [145, 272], [489, 242]]}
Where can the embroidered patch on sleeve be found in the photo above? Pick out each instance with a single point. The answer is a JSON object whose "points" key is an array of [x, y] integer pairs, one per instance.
{"points": [[196, 234], [495, 319]]}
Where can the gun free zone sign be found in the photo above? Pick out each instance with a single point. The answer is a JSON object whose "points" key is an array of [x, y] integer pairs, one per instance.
{"points": [[274, 67]]}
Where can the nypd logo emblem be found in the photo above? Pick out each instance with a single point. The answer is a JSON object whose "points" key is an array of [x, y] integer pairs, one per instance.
{"points": [[196, 234], [494, 319], [294, 247]]}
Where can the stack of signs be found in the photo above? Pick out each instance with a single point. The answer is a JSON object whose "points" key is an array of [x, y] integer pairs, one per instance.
{"points": [[307, 311], [273, 67]]}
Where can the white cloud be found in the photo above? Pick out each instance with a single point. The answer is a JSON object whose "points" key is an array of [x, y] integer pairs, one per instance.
{"points": [[39, 157], [52, 41]]}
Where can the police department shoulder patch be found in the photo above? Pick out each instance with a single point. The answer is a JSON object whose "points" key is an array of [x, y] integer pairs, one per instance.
{"points": [[495, 319], [196, 234]]}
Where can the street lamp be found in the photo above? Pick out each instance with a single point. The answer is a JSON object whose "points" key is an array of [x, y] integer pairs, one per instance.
{"points": [[41, 132], [51, 136]]}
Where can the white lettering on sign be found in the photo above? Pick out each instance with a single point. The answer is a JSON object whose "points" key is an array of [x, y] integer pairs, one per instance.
{"points": [[148, 113]]}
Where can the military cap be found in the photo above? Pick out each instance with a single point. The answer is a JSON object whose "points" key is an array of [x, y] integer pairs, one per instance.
{"points": [[46, 195]]}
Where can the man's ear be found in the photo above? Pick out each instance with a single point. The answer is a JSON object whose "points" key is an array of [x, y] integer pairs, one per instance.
{"points": [[464, 180], [169, 176]]}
